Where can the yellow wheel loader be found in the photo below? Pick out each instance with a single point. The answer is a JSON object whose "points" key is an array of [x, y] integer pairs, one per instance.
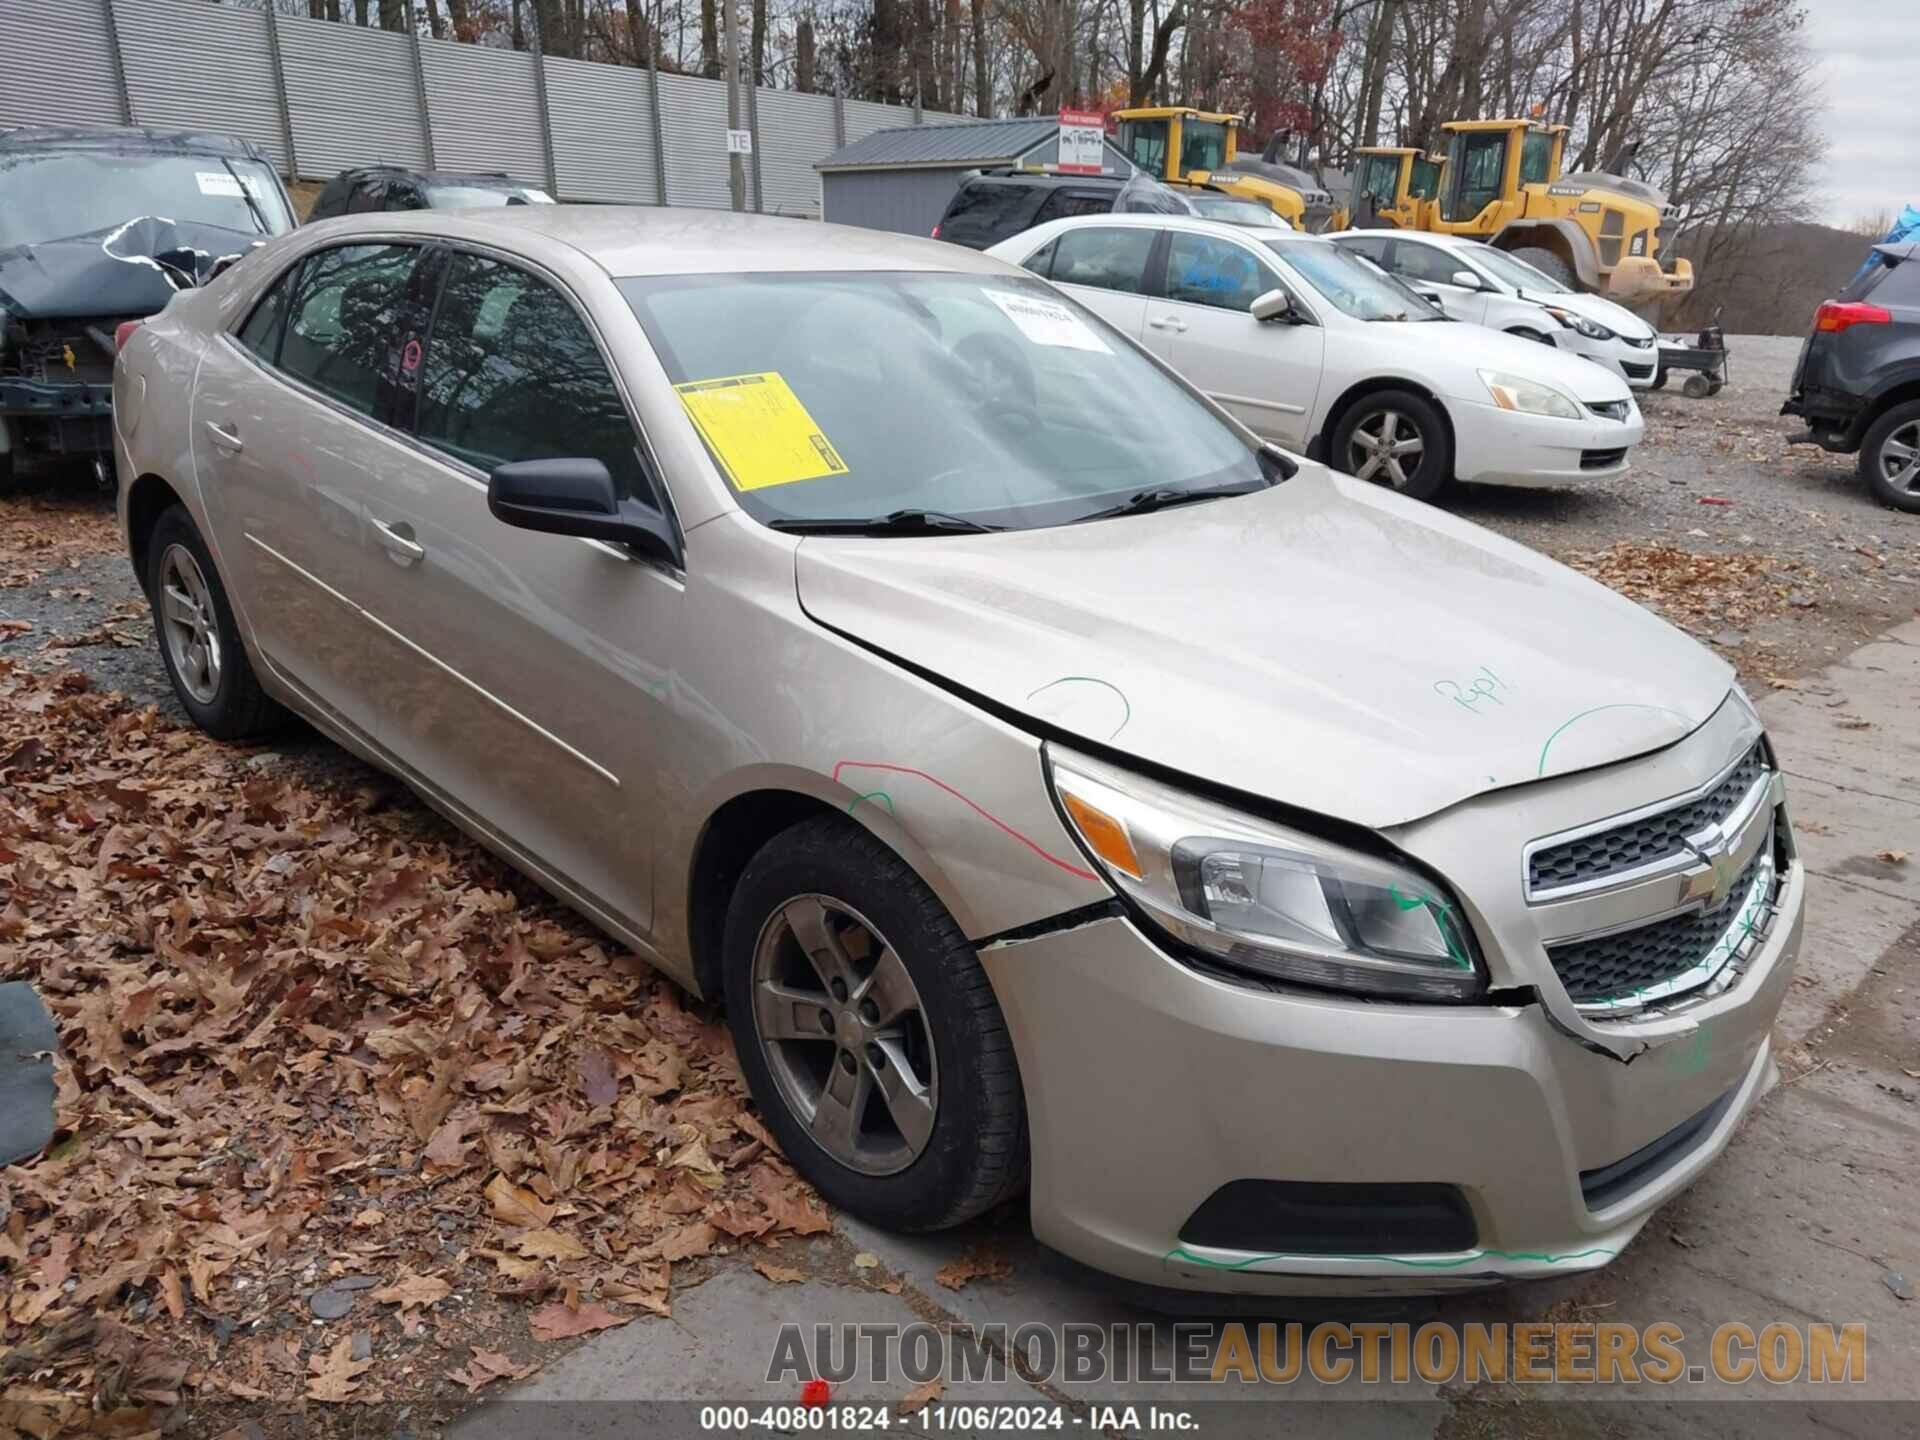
{"points": [[1182, 146], [1392, 188], [1600, 232]]}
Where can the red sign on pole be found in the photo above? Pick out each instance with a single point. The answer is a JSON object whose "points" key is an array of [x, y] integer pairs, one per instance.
{"points": [[1083, 136]]}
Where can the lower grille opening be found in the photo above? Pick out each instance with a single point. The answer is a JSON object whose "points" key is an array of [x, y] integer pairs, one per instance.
{"points": [[1299, 1217], [1614, 1182], [1636, 372], [1602, 459]]}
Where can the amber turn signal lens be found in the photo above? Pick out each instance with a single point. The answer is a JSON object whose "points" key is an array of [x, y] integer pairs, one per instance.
{"points": [[1107, 836]]}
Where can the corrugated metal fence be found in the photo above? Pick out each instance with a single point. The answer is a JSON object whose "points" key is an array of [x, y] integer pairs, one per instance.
{"points": [[320, 97]]}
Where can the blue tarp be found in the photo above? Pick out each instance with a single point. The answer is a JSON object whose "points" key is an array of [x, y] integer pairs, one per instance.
{"points": [[1907, 227]]}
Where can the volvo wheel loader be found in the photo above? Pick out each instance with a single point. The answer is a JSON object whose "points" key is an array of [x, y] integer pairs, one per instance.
{"points": [[1392, 188], [1182, 146]]}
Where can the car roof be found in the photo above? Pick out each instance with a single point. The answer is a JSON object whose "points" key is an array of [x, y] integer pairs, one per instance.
{"points": [[632, 240], [126, 139], [1425, 237], [495, 179], [1041, 177], [1195, 223]]}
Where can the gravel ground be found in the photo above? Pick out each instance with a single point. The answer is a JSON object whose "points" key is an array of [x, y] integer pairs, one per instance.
{"points": [[1799, 567]]}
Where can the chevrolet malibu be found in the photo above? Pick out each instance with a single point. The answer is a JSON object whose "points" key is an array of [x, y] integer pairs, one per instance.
{"points": [[1290, 886]]}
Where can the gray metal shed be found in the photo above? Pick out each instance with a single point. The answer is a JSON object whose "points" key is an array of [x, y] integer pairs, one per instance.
{"points": [[902, 179]]}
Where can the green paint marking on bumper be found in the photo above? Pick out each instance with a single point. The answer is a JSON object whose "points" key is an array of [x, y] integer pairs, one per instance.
{"points": [[1181, 1253]]}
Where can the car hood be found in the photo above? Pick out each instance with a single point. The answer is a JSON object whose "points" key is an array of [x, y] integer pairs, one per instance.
{"points": [[1598, 308], [1455, 349], [113, 271], [1324, 644]]}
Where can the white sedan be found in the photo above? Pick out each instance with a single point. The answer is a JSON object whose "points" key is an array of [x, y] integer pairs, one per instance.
{"points": [[1314, 349], [1472, 281]]}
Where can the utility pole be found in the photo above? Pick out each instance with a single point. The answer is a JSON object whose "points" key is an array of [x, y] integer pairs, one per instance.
{"points": [[736, 175]]}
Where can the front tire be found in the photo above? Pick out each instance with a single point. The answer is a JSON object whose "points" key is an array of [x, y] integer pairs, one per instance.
{"points": [[1548, 262], [869, 1034], [1890, 458], [199, 641], [1395, 438]]}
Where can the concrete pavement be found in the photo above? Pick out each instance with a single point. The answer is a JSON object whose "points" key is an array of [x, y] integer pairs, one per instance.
{"points": [[1808, 1217]]}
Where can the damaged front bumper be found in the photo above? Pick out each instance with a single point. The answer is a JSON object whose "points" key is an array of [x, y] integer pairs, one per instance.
{"points": [[75, 416], [1196, 1131]]}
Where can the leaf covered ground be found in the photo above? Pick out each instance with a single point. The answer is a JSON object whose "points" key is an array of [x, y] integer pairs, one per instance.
{"points": [[346, 1112]]}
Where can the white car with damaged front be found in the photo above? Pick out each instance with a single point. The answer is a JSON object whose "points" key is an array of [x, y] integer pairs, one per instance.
{"points": [[1312, 348], [1472, 281]]}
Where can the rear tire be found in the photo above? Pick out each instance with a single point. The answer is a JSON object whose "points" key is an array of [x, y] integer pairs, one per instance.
{"points": [[1890, 458], [199, 641], [1372, 438], [939, 1120], [1659, 379], [1548, 262]]}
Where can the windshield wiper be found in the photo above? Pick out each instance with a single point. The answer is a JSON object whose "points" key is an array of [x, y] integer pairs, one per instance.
{"points": [[253, 205], [897, 522], [1163, 497]]}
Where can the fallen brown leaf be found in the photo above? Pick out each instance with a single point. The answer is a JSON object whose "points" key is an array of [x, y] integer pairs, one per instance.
{"points": [[335, 1373], [412, 1291], [557, 1322]]}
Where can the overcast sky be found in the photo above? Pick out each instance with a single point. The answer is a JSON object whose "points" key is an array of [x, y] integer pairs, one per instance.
{"points": [[1869, 56]]}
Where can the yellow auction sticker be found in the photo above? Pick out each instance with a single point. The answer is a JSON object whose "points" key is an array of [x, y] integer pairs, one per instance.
{"points": [[759, 430]]}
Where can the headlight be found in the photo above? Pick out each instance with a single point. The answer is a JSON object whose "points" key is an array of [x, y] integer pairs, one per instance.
{"points": [[1265, 898], [1530, 397], [1592, 329]]}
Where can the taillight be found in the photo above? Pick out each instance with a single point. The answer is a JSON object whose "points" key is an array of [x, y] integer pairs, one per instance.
{"points": [[122, 333], [1836, 315], [936, 231]]}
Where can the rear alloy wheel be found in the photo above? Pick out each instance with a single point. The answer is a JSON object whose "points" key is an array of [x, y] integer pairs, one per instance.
{"points": [[1397, 439], [199, 642], [1890, 457], [868, 1032]]}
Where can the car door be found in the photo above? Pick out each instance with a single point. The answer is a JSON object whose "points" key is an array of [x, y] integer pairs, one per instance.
{"points": [[1265, 374], [1104, 267], [286, 419], [528, 682], [1430, 269]]}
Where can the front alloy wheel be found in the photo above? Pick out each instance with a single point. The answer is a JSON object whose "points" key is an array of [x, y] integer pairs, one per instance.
{"points": [[845, 1035], [1395, 438], [1386, 447]]}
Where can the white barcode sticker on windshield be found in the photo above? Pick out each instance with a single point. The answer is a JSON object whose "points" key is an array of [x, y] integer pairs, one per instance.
{"points": [[1048, 322], [217, 182]]}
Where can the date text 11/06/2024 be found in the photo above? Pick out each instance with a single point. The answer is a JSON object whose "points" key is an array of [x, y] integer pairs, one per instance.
{"points": [[961, 1418]]}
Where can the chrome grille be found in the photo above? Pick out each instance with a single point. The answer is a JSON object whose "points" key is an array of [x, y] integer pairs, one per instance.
{"points": [[1644, 841], [1610, 409], [1655, 961]]}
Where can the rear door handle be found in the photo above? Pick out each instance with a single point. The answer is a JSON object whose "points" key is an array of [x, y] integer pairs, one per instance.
{"points": [[1168, 322], [398, 542], [225, 439]]}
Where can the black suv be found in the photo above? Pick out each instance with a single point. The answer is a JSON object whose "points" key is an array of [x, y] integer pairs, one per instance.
{"points": [[1858, 382], [100, 225], [388, 187], [990, 206]]}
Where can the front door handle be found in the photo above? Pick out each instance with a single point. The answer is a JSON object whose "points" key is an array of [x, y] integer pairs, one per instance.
{"points": [[1168, 322], [398, 542], [225, 439]]}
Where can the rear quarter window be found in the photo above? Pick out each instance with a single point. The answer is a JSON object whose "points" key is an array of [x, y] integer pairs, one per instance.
{"points": [[986, 212], [1898, 282]]}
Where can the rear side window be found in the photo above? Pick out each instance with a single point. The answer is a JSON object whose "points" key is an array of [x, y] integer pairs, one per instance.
{"points": [[371, 195], [987, 211], [1110, 259], [1413, 261], [512, 373], [332, 201], [1063, 203], [1041, 261], [261, 334], [345, 325], [1374, 250], [1204, 271]]}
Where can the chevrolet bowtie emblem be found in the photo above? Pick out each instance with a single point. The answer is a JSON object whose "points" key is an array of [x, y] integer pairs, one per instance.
{"points": [[1716, 881]]}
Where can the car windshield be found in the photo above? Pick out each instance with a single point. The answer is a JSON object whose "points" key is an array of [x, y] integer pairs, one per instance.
{"points": [[50, 195], [1233, 212], [985, 401], [1350, 283], [1517, 273], [474, 197]]}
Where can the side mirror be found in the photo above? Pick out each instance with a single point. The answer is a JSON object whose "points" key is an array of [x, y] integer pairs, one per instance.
{"points": [[1466, 280], [576, 497], [1275, 305]]}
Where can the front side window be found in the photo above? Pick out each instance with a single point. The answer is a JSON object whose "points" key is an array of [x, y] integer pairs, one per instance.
{"points": [[512, 373], [1202, 270], [1203, 144], [1349, 283], [1108, 259], [849, 397], [1145, 144], [1481, 157], [1536, 158], [344, 325]]}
